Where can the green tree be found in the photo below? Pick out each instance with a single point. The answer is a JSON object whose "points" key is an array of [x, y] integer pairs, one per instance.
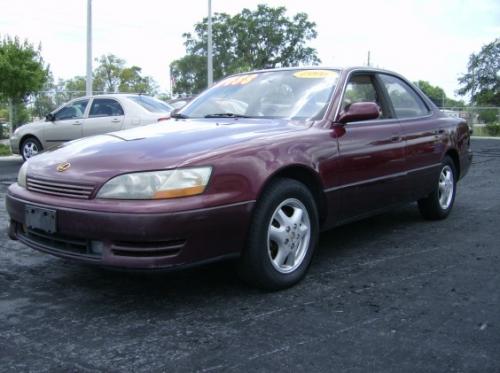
{"points": [[107, 74], [482, 80], [76, 85], [43, 102], [189, 74], [111, 76], [131, 80], [264, 38], [449, 102], [437, 95], [22, 72], [21, 113]]}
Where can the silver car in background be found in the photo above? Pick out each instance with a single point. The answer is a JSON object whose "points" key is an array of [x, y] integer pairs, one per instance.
{"points": [[87, 116]]}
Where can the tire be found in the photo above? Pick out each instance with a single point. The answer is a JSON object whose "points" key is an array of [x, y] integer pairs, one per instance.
{"points": [[438, 204], [282, 236], [30, 147]]}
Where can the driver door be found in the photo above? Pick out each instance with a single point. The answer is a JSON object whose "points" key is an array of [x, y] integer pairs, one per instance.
{"points": [[371, 163], [67, 124]]}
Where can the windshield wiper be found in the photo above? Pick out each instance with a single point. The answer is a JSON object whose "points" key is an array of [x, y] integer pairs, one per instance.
{"points": [[179, 116], [226, 115]]}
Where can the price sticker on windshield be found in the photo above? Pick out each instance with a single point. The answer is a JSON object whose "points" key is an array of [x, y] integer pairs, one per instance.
{"points": [[237, 80], [315, 74]]}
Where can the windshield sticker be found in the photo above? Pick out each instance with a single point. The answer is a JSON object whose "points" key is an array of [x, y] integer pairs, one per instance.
{"points": [[315, 74], [238, 80]]}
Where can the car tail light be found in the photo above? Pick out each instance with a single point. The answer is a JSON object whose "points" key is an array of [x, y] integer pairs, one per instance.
{"points": [[163, 118]]}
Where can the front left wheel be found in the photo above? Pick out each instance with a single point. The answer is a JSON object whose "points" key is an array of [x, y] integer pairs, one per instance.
{"points": [[282, 236], [30, 147]]}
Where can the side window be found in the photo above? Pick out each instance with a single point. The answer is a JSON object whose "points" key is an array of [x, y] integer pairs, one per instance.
{"points": [[74, 110], [105, 107], [406, 102], [362, 89]]}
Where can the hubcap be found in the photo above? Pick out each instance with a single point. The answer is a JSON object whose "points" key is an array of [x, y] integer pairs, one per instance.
{"points": [[289, 235], [445, 188], [30, 149]]}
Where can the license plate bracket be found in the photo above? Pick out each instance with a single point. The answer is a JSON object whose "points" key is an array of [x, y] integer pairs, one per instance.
{"points": [[40, 218]]}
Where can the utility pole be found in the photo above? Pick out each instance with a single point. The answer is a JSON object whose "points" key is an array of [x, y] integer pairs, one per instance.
{"points": [[210, 74], [368, 58], [89, 48]]}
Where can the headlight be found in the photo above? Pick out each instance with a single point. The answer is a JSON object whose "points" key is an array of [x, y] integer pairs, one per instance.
{"points": [[157, 184], [21, 176]]}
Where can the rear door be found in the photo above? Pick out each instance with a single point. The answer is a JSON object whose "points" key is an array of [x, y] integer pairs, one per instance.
{"points": [[372, 153], [420, 133], [105, 115]]}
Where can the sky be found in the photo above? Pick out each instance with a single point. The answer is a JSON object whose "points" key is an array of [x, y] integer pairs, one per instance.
{"points": [[420, 39]]}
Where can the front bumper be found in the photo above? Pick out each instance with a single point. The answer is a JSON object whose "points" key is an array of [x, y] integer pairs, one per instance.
{"points": [[14, 144], [136, 240]]}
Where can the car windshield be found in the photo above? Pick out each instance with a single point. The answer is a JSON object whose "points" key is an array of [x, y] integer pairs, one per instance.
{"points": [[152, 104], [292, 94]]}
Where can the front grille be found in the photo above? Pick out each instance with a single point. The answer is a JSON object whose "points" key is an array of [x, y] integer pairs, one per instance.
{"points": [[63, 189], [56, 242]]}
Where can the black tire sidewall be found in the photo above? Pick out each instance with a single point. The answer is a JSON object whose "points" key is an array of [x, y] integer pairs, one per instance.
{"points": [[430, 207], [447, 161], [256, 257], [34, 141]]}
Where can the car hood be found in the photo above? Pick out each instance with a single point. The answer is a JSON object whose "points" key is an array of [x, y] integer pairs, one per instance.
{"points": [[158, 146]]}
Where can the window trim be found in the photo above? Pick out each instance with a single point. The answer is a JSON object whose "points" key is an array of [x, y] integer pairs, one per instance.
{"points": [[71, 103], [429, 113], [333, 118], [379, 90], [105, 116]]}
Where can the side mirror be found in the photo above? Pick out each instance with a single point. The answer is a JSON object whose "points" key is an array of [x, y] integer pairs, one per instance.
{"points": [[50, 117], [359, 111]]}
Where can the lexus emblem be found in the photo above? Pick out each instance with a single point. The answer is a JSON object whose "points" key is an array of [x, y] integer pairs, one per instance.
{"points": [[63, 166]]}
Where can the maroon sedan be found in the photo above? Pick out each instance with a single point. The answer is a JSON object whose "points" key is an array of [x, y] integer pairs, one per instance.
{"points": [[253, 168]]}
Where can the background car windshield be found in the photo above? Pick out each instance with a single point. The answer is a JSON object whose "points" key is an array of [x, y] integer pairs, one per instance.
{"points": [[151, 104], [294, 94]]}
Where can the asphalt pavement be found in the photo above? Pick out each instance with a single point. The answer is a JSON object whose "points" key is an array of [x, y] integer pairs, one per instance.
{"points": [[393, 293]]}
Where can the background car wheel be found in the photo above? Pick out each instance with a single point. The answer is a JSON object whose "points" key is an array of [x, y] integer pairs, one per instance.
{"points": [[30, 147], [282, 236], [440, 202]]}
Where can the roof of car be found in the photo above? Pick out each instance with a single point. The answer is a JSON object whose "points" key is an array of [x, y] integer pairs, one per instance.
{"points": [[115, 95], [345, 68]]}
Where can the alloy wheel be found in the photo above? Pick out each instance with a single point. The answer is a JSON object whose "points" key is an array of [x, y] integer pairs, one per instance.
{"points": [[289, 235]]}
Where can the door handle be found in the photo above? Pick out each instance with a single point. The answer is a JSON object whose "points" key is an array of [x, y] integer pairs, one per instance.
{"points": [[439, 132], [115, 121], [395, 138], [77, 123]]}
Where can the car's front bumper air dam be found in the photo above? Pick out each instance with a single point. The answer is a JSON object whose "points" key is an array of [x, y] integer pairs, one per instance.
{"points": [[137, 241]]}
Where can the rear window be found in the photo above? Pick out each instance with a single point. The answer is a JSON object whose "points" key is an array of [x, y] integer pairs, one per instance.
{"points": [[151, 104], [105, 107]]}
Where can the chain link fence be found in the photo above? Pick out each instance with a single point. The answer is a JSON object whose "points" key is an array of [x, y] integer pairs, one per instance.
{"points": [[485, 121]]}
